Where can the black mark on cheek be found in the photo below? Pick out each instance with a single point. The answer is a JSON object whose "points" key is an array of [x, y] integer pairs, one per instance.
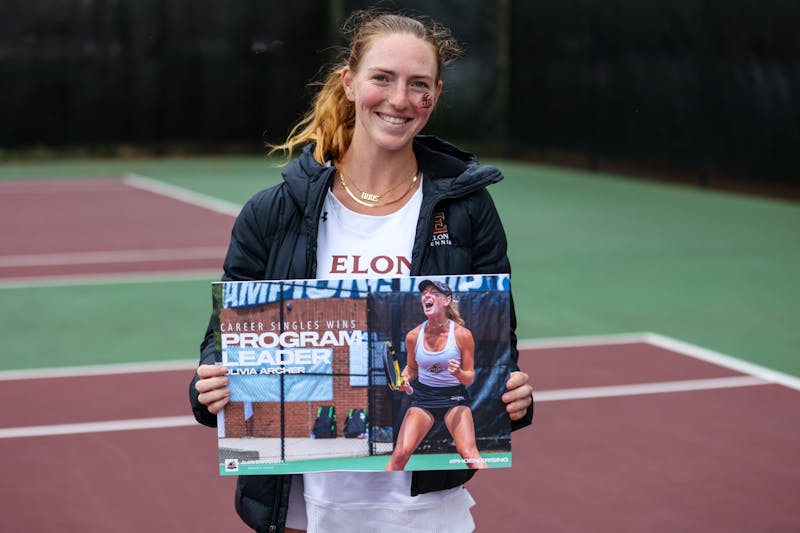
{"points": [[426, 101]]}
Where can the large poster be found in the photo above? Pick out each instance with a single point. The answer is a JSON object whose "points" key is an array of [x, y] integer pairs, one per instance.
{"points": [[364, 374]]}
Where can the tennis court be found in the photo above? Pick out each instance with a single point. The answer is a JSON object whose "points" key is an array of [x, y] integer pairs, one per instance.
{"points": [[632, 432]]}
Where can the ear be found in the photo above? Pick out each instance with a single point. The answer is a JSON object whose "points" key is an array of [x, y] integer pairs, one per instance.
{"points": [[347, 83]]}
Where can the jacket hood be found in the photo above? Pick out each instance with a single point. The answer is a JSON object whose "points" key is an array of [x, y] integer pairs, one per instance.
{"points": [[450, 171]]}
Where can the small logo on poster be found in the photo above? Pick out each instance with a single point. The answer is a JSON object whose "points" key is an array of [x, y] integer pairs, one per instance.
{"points": [[232, 465]]}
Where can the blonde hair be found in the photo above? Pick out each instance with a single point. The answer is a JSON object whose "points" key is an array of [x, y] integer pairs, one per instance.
{"points": [[331, 119], [452, 313]]}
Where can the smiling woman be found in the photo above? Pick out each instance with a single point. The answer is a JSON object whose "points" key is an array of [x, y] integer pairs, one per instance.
{"points": [[366, 197]]}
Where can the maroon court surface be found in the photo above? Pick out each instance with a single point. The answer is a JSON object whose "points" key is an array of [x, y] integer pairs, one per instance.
{"points": [[701, 460], [95, 227], [628, 437]]}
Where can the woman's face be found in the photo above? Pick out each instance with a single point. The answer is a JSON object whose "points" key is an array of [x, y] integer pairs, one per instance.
{"points": [[434, 303], [394, 90]]}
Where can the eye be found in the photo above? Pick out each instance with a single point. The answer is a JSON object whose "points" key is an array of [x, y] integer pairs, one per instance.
{"points": [[420, 85], [380, 78]]}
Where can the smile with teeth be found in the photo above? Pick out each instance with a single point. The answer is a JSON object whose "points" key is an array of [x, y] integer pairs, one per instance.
{"points": [[393, 120]]}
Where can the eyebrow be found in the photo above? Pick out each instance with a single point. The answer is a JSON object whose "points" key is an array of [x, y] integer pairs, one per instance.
{"points": [[379, 70]]}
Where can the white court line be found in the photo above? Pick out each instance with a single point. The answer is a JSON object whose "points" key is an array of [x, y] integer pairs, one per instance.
{"points": [[647, 388], [157, 187], [541, 396], [97, 427], [586, 340], [113, 256], [672, 345], [183, 195], [118, 278], [727, 361], [758, 375], [99, 370], [661, 341]]}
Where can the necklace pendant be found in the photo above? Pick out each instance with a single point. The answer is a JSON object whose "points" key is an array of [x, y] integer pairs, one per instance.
{"points": [[370, 197]]}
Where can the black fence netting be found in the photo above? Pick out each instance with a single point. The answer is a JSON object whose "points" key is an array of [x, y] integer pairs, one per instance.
{"points": [[707, 85]]}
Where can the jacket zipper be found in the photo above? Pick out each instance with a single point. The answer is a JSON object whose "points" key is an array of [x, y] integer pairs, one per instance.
{"points": [[276, 506], [311, 257]]}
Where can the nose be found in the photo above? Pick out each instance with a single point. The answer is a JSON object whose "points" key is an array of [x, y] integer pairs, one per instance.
{"points": [[398, 98]]}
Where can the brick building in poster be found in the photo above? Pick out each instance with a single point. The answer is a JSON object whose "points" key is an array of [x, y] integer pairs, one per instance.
{"points": [[301, 315]]}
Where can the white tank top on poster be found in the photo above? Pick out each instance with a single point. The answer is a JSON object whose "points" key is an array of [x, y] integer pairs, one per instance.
{"points": [[353, 245], [433, 365]]}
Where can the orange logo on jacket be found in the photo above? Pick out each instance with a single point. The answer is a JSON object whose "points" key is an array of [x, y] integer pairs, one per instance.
{"points": [[438, 223], [441, 236]]}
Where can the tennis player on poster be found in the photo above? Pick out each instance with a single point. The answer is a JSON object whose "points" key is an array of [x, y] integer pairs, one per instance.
{"points": [[441, 354]]}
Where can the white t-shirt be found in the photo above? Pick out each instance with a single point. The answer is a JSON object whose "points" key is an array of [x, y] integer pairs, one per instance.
{"points": [[349, 245], [352, 245]]}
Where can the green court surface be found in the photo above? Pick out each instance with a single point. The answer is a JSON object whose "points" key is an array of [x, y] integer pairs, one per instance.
{"points": [[591, 254]]}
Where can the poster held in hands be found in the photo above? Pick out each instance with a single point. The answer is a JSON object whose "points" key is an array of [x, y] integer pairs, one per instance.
{"points": [[303, 354]]}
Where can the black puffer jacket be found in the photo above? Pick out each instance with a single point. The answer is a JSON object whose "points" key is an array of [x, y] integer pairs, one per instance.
{"points": [[275, 237]]}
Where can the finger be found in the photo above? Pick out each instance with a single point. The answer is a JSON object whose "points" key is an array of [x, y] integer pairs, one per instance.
{"points": [[209, 384], [517, 409], [218, 397], [210, 371], [517, 414], [218, 406], [520, 393], [517, 379]]}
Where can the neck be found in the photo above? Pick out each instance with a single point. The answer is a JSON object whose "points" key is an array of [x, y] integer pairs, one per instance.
{"points": [[438, 323], [377, 169], [376, 182]]}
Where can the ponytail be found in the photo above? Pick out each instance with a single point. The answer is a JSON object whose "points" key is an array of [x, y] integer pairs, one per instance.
{"points": [[329, 123]]}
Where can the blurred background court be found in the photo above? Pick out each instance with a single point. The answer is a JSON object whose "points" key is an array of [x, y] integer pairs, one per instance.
{"points": [[649, 150]]}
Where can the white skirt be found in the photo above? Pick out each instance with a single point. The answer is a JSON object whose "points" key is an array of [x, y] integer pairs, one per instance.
{"points": [[449, 515]]}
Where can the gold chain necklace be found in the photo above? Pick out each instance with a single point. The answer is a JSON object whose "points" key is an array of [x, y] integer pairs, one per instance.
{"points": [[375, 197]]}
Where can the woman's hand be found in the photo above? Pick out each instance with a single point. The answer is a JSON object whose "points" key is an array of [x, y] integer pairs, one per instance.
{"points": [[212, 387], [407, 388], [519, 396], [408, 375], [454, 366]]}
